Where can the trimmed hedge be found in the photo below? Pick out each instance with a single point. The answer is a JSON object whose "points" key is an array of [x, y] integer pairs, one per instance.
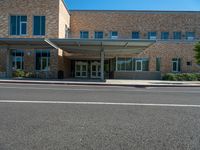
{"points": [[182, 77]]}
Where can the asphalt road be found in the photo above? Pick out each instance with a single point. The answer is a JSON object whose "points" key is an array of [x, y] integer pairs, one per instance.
{"points": [[60, 117]]}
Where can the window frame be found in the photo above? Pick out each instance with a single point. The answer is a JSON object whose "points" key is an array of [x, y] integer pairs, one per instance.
{"points": [[175, 33], [48, 60], [84, 31], [113, 37], [178, 65], [190, 38], [163, 35], [150, 36], [98, 33], [14, 59], [137, 33], [18, 25], [40, 25]]}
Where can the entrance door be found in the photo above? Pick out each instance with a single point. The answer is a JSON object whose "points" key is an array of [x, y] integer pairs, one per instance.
{"points": [[81, 69], [138, 65], [95, 70]]}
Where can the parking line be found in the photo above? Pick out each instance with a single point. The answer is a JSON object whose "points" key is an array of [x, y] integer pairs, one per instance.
{"points": [[99, 103]]}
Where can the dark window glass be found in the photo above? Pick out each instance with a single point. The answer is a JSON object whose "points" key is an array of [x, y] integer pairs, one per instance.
{"points": [[13, 25], [152, 35], [177, 35], [190, 35], [84, 34], [18, 25], [165, 35], [158, 61], [135, 35], [17, 60], [114, 35], [39, 25], [176, 64], [42, 60], [98, 35]]}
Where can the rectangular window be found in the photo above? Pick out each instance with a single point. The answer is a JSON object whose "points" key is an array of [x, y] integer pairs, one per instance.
{"points": [[135, 35], [84, 34], [98, 35], [190, 35], [39, 23], [164, 35], [131, 64], [177, 35], [176, 65], [18, 25], [17, 60], [114, 35], [66, 32], [43, 60], [158, 61], [152, 35]]}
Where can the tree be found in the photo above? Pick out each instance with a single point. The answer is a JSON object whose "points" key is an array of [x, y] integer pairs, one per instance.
{"points": [[197, 52]]}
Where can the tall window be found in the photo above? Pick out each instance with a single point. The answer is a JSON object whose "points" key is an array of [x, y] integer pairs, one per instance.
{"points": [[158, 61], [164, 35], [135, 35], [18, 25], [18, 60], [176, 65], [39, 25], [177, 35], [190, 35], [84, 34], [152, 35], [98, 35], [43, 60], [114, 35]]}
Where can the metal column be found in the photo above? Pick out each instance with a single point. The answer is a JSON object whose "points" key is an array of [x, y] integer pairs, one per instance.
{"points": [[102, 64]]}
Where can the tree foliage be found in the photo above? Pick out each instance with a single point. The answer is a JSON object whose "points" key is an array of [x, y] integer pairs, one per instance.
{"points": [[197, 52]]}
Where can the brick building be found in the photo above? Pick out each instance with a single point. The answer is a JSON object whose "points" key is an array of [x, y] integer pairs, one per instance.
{"points": [[47, 40]]}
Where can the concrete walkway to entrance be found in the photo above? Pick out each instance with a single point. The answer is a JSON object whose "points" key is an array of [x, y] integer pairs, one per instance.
{"points": [[130, 83]]}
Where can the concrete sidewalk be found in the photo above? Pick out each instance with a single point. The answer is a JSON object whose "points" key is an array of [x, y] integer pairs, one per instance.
{"points": [[129, 83]]}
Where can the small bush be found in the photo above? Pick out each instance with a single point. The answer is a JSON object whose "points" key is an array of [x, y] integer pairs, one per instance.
{"points": [[182, 77], [19, 73]]}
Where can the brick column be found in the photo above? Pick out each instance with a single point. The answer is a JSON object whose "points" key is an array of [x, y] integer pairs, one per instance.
{"points": [[8, 64]]}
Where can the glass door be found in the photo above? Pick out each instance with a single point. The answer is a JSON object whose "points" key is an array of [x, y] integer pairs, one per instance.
{"points": [[95, 70], [138, 65], [81, 70]]}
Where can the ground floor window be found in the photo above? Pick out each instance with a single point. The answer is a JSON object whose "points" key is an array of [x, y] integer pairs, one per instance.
{"points": [[43, 60], [132, 64], [176, 65], [158, 61], [17, 60]]}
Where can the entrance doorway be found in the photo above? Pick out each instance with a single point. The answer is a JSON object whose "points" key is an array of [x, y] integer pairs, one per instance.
{"points": [[138, 65], [81, 69], [95, 70]]}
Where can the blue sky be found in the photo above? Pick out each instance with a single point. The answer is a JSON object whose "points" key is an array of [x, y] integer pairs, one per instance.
{"points": [[134, 4]]}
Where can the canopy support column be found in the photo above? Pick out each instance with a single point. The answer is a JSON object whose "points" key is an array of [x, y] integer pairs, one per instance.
{"points": [[8, 64], [102, 64]]}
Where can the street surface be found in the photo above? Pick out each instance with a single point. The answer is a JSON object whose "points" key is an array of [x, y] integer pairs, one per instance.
{"points": [[62, 117]]}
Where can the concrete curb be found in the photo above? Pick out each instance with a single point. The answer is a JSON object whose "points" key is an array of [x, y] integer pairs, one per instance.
{"points": [[98, 84]]}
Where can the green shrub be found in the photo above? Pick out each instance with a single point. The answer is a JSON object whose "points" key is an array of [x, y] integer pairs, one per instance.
{"points": [[170, 77], [181, 77], [18, 73]]}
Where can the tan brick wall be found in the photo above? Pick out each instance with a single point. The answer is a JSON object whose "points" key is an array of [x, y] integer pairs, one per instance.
{"points": [[169, 50], [57, 17], [3, 59], [48, 8], [125, 22]]}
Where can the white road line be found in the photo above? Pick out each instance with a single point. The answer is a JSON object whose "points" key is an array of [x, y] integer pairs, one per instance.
{"points": [[99, 103]]}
